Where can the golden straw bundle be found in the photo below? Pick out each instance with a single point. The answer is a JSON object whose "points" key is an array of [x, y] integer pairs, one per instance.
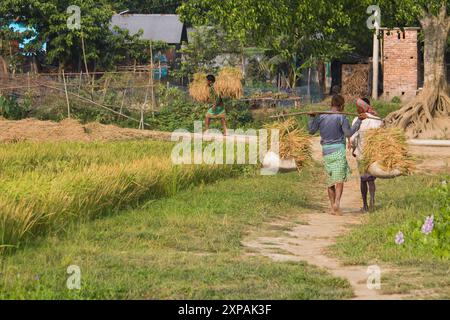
{"points": [[388, 147], [198, 89], [295, 142], [229, 83]]}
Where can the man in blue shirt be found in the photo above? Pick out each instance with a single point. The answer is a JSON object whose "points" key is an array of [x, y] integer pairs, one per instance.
{"points": [[334, 129]]}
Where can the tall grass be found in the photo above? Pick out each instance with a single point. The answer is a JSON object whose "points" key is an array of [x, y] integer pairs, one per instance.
{"points": [[44, 187]]}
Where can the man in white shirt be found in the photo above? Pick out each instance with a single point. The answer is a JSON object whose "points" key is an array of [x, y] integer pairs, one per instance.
{"points": [[357, 145]]}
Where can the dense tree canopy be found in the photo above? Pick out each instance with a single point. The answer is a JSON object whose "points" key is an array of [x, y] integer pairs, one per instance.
{"points": [[103, 48], [294, 32], [148, 6]]}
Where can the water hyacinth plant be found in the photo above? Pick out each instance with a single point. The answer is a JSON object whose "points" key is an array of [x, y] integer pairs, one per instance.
{"points": [[427, 227], [399, 238]]}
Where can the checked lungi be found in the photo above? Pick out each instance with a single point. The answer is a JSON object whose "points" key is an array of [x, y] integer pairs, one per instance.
{"points": [[336, 165]]}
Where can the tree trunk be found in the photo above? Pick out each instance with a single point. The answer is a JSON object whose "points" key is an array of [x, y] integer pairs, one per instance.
{"points": [[433, 102], [436, 32]]}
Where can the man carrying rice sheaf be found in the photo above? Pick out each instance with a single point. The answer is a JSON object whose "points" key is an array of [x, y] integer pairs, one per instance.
{"points": [[367, 181], [334, 129], [217, 110]]}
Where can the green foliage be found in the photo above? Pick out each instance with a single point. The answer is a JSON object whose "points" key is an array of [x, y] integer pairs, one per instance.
{"points": [[199, 55], [255, 73], [11, 109], [296, 33], [8, 39], [437, 241], [396, 100], [148, 6], [121, 46], [104, 48]]}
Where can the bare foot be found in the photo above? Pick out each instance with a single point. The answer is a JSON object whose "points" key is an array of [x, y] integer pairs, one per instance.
{"points": [[337, 210]]}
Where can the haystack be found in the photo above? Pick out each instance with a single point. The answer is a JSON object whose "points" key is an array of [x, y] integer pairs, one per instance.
{"points": [[295, 142], [198, 89], [229, 83], [388, 148]]}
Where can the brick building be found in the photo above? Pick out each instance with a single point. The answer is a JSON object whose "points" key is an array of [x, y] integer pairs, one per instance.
{"points": [[400, 63]]}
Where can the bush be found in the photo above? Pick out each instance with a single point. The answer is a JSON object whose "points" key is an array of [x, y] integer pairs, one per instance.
{"points": [[396, 100], [11, 109]]}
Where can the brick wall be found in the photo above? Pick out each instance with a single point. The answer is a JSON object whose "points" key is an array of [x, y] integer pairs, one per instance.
{"points": [[400, 63]]}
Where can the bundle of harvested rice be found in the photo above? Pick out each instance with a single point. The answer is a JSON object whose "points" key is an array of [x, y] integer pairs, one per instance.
{"points": [[229, 83], [198, 89], [295, 142], [387, 147]]}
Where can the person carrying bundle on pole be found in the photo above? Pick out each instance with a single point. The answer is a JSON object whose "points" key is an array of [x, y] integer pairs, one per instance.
{"points": [[334, 129], [217, 110], [367, 181]]}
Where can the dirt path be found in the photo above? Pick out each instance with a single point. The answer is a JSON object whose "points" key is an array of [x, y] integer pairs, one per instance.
{"points": [[309, 241]]}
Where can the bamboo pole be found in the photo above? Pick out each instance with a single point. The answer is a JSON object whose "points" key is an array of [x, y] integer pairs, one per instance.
{"points": [[123, 97], [84, 54], [67, 95], [152, 83], [319, 112], [79, 83], [92, 102]]}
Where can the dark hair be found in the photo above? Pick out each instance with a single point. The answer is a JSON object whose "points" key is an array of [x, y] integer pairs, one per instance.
{"points": [[337, 101], [366, 100], [211, 78], [335, 89]]}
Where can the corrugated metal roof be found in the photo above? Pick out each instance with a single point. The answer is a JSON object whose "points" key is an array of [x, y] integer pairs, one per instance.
{"points": [[156, 27]]}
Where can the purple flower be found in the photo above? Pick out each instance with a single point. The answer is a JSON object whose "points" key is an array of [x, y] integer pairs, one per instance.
{"points": [[399, 238], [428, 225]]}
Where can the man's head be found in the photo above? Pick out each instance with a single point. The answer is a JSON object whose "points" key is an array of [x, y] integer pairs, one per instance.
{"points": [[338, 102], [363, 105], [211, 79]]}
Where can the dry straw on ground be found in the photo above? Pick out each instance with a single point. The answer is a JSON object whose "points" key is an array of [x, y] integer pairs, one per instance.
{"points": [[229, 83], [388, 147], [198, 89], [295, 142], [70, 130]]}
